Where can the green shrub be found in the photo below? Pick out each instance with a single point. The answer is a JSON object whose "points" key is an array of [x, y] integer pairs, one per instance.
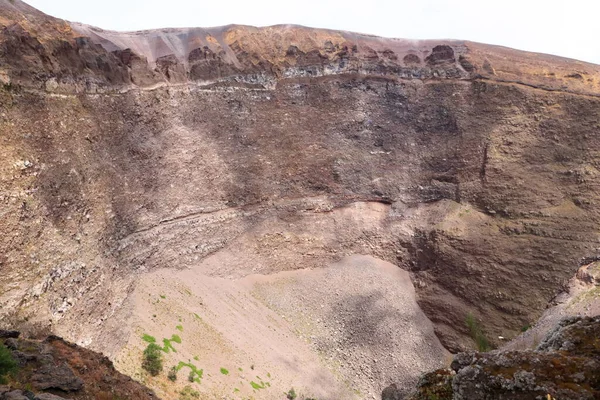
{"points": [[153, 359], [195, 374], [291, 395], [172, 375], [477, 334], [167, 343], [7, 363], [188, 394]]}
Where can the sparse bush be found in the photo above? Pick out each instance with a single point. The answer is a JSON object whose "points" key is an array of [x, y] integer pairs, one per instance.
{"points": [[477, 334], [291, 394], [172, 375], [153, 359], [188, 394], [192, 376], [7, 363]]}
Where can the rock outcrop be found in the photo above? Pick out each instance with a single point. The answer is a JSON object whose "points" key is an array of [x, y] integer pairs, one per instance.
{"points": [[566, 365], [53, 369]]}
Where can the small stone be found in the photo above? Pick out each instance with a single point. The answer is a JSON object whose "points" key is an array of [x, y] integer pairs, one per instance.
{"points": [[14, 395], [51, 85]]}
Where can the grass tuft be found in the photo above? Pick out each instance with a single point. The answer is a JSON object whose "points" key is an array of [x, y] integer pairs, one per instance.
{"points": [[477, 334], [148, 338], [8, 365]]}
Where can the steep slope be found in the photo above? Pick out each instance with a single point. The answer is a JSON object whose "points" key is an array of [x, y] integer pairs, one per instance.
{"points": [[327, 332], [581, 299], [237, 151], [53, 369]]}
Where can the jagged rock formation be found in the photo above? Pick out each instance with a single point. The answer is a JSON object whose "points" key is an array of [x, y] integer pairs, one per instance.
{"points": [[581, 299], [237, 150], [53, 369], [566, 365]]}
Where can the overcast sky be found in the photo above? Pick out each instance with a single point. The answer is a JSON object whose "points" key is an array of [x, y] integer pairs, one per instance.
{"points": [[566, 28]]}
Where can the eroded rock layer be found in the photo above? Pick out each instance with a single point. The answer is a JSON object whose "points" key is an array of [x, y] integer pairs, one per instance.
{"points": [[123, 153]]}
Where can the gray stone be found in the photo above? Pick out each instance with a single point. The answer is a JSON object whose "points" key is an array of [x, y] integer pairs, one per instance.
{"points": [[56, 377], [392, 393], [14, 395]]}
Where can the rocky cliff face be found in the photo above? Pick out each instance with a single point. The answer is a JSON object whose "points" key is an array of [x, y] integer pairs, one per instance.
{"points": [[566, 365], [53, 369], [239, 150]]}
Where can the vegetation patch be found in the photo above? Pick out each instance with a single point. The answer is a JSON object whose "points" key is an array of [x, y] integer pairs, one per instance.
{"points": [[261, 385], [152, 360], [167, 346], [436, 385], [195, 373], [291, 394], [188, 394], [224, 371], [179, 328], [257, 386], [149, 339], [8, 365], [172, 374], [477, 334]]}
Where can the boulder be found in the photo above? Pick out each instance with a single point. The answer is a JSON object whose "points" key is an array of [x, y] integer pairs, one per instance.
{"points": [[56, 377]]}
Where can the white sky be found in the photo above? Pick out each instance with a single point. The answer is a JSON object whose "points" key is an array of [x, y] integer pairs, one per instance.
{"points": [[566, 28]]}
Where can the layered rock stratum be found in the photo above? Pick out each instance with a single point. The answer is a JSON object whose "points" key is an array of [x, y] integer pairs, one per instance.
{"points": [[256, 184]]}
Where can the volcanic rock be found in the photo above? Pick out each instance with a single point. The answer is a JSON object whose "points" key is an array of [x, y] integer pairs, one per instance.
{"points": [[236, 151]]}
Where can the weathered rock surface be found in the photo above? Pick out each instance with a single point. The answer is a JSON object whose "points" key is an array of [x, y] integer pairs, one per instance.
{"points": [[582, 298], [27, 395], [125, 153], [53, 369], [566, 365]]}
